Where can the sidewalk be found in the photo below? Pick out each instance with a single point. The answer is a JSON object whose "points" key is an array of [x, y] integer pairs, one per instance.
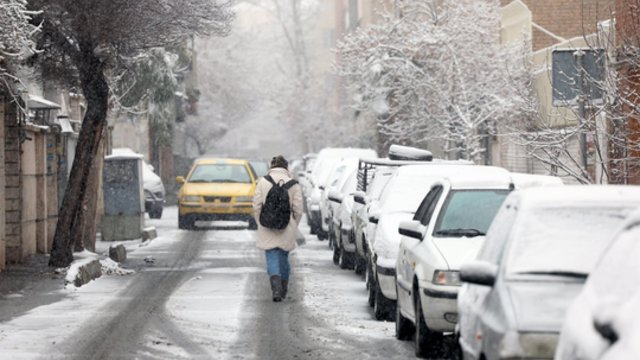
{"points": [[26, 286]]}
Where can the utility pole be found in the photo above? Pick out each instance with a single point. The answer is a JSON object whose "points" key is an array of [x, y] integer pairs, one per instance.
{"points": [[582, 99]]}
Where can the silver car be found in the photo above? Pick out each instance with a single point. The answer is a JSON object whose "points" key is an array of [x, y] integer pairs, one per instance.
{"points": [[541, 246]]}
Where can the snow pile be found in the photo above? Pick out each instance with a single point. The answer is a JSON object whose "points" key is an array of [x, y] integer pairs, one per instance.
{"points": [[82, 259], [110, 267]]}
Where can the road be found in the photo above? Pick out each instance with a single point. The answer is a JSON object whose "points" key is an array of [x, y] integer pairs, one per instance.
{"points": [[206, 296]]}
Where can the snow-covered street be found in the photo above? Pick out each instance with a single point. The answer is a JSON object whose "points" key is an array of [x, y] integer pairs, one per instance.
{"points": [[205, 295]]}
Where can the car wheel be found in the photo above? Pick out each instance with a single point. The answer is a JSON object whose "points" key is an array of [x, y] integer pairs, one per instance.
{"points": [[346, 259], [155, 212], [371, 285], [186, 222], [336, 254], [382, 307], [360, 265], [404, 327], [426, 341]]}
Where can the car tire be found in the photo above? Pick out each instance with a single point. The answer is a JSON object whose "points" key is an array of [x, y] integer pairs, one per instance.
{"points": [[383, 308], [404, 327], [186, 222], [360, 265], [253, 225], [345, 260], [155, 212], [336, 254], [371, 286], [426, 341]]}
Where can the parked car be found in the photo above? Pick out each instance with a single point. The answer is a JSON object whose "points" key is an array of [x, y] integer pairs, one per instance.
{"points": [[540, 249], [322, 167], [339, 174], [399, 200], [341, 225], [363, 202], [448, 229], [373, 175], [154, 192], [604, 320], [217, 189], [303, 175]]}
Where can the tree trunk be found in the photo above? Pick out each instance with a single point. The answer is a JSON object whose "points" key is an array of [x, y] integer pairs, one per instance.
{"points": [[72, 213], [87, 239]]}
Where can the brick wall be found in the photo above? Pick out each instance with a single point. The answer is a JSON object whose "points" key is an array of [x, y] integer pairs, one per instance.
{"points": [[565, 18], [628, 37]]}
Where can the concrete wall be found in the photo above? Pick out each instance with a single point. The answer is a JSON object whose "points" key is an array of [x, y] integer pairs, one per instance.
{"points": [[2, 189], [13, 185]]}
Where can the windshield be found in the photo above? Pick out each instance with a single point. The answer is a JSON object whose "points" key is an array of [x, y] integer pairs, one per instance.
{"points": [[220, 173], [562, 240], [469, 212]]}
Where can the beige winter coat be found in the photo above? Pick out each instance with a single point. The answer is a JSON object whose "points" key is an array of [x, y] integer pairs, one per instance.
{"points": [[268, 238]]}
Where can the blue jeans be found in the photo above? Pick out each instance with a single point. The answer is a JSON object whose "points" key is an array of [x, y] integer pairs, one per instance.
{"points": [[278, 263]]}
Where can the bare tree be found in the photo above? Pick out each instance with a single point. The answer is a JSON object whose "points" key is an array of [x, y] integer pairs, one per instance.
{"points": [[84, 40]]}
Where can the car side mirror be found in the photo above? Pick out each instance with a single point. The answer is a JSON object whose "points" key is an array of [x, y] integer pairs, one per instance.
{"points": [[479, 273], [336, 196], [374, 214], [412, 229], [180, 180], [606, 330], [359, 197]]}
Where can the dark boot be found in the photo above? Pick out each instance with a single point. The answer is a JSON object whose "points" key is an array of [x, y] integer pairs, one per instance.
{"points": [[285, 288], [276, 288]]}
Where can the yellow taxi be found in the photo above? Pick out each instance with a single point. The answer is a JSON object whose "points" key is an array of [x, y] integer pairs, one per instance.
{"points": [[217, 189]]}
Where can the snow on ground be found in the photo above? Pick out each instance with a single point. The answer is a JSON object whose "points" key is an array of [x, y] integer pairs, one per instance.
{"points": [[208, 305], [337, 296]]}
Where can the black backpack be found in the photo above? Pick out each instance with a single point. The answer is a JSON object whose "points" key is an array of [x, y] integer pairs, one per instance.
{"points": [[276, 210]]}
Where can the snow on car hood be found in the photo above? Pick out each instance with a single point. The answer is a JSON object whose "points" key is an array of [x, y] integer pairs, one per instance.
{"points": [[541, 306], [458, 250], [387, 241]]}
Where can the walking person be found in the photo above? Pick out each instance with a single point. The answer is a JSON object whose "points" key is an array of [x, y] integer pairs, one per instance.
{"points": [[277, 207]]}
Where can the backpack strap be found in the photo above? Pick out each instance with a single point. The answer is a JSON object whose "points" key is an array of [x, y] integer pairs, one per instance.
{"points": [[289, 184], [270, 179]]}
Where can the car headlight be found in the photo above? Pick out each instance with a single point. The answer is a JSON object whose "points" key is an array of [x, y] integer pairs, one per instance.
{"points": [[191, 198], [244, 198], [528, 345], [450, 278]]}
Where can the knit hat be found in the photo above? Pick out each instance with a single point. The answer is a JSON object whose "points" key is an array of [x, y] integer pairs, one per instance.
{"points": [[279, 161]]}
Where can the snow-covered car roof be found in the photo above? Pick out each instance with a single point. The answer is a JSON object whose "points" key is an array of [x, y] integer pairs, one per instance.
{"points": [[461, 176], [524, 181], [580, 194]]}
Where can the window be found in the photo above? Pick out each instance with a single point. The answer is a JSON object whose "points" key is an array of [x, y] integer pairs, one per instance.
{"points": [[220, 173], [469, 212], [428, 205]]}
